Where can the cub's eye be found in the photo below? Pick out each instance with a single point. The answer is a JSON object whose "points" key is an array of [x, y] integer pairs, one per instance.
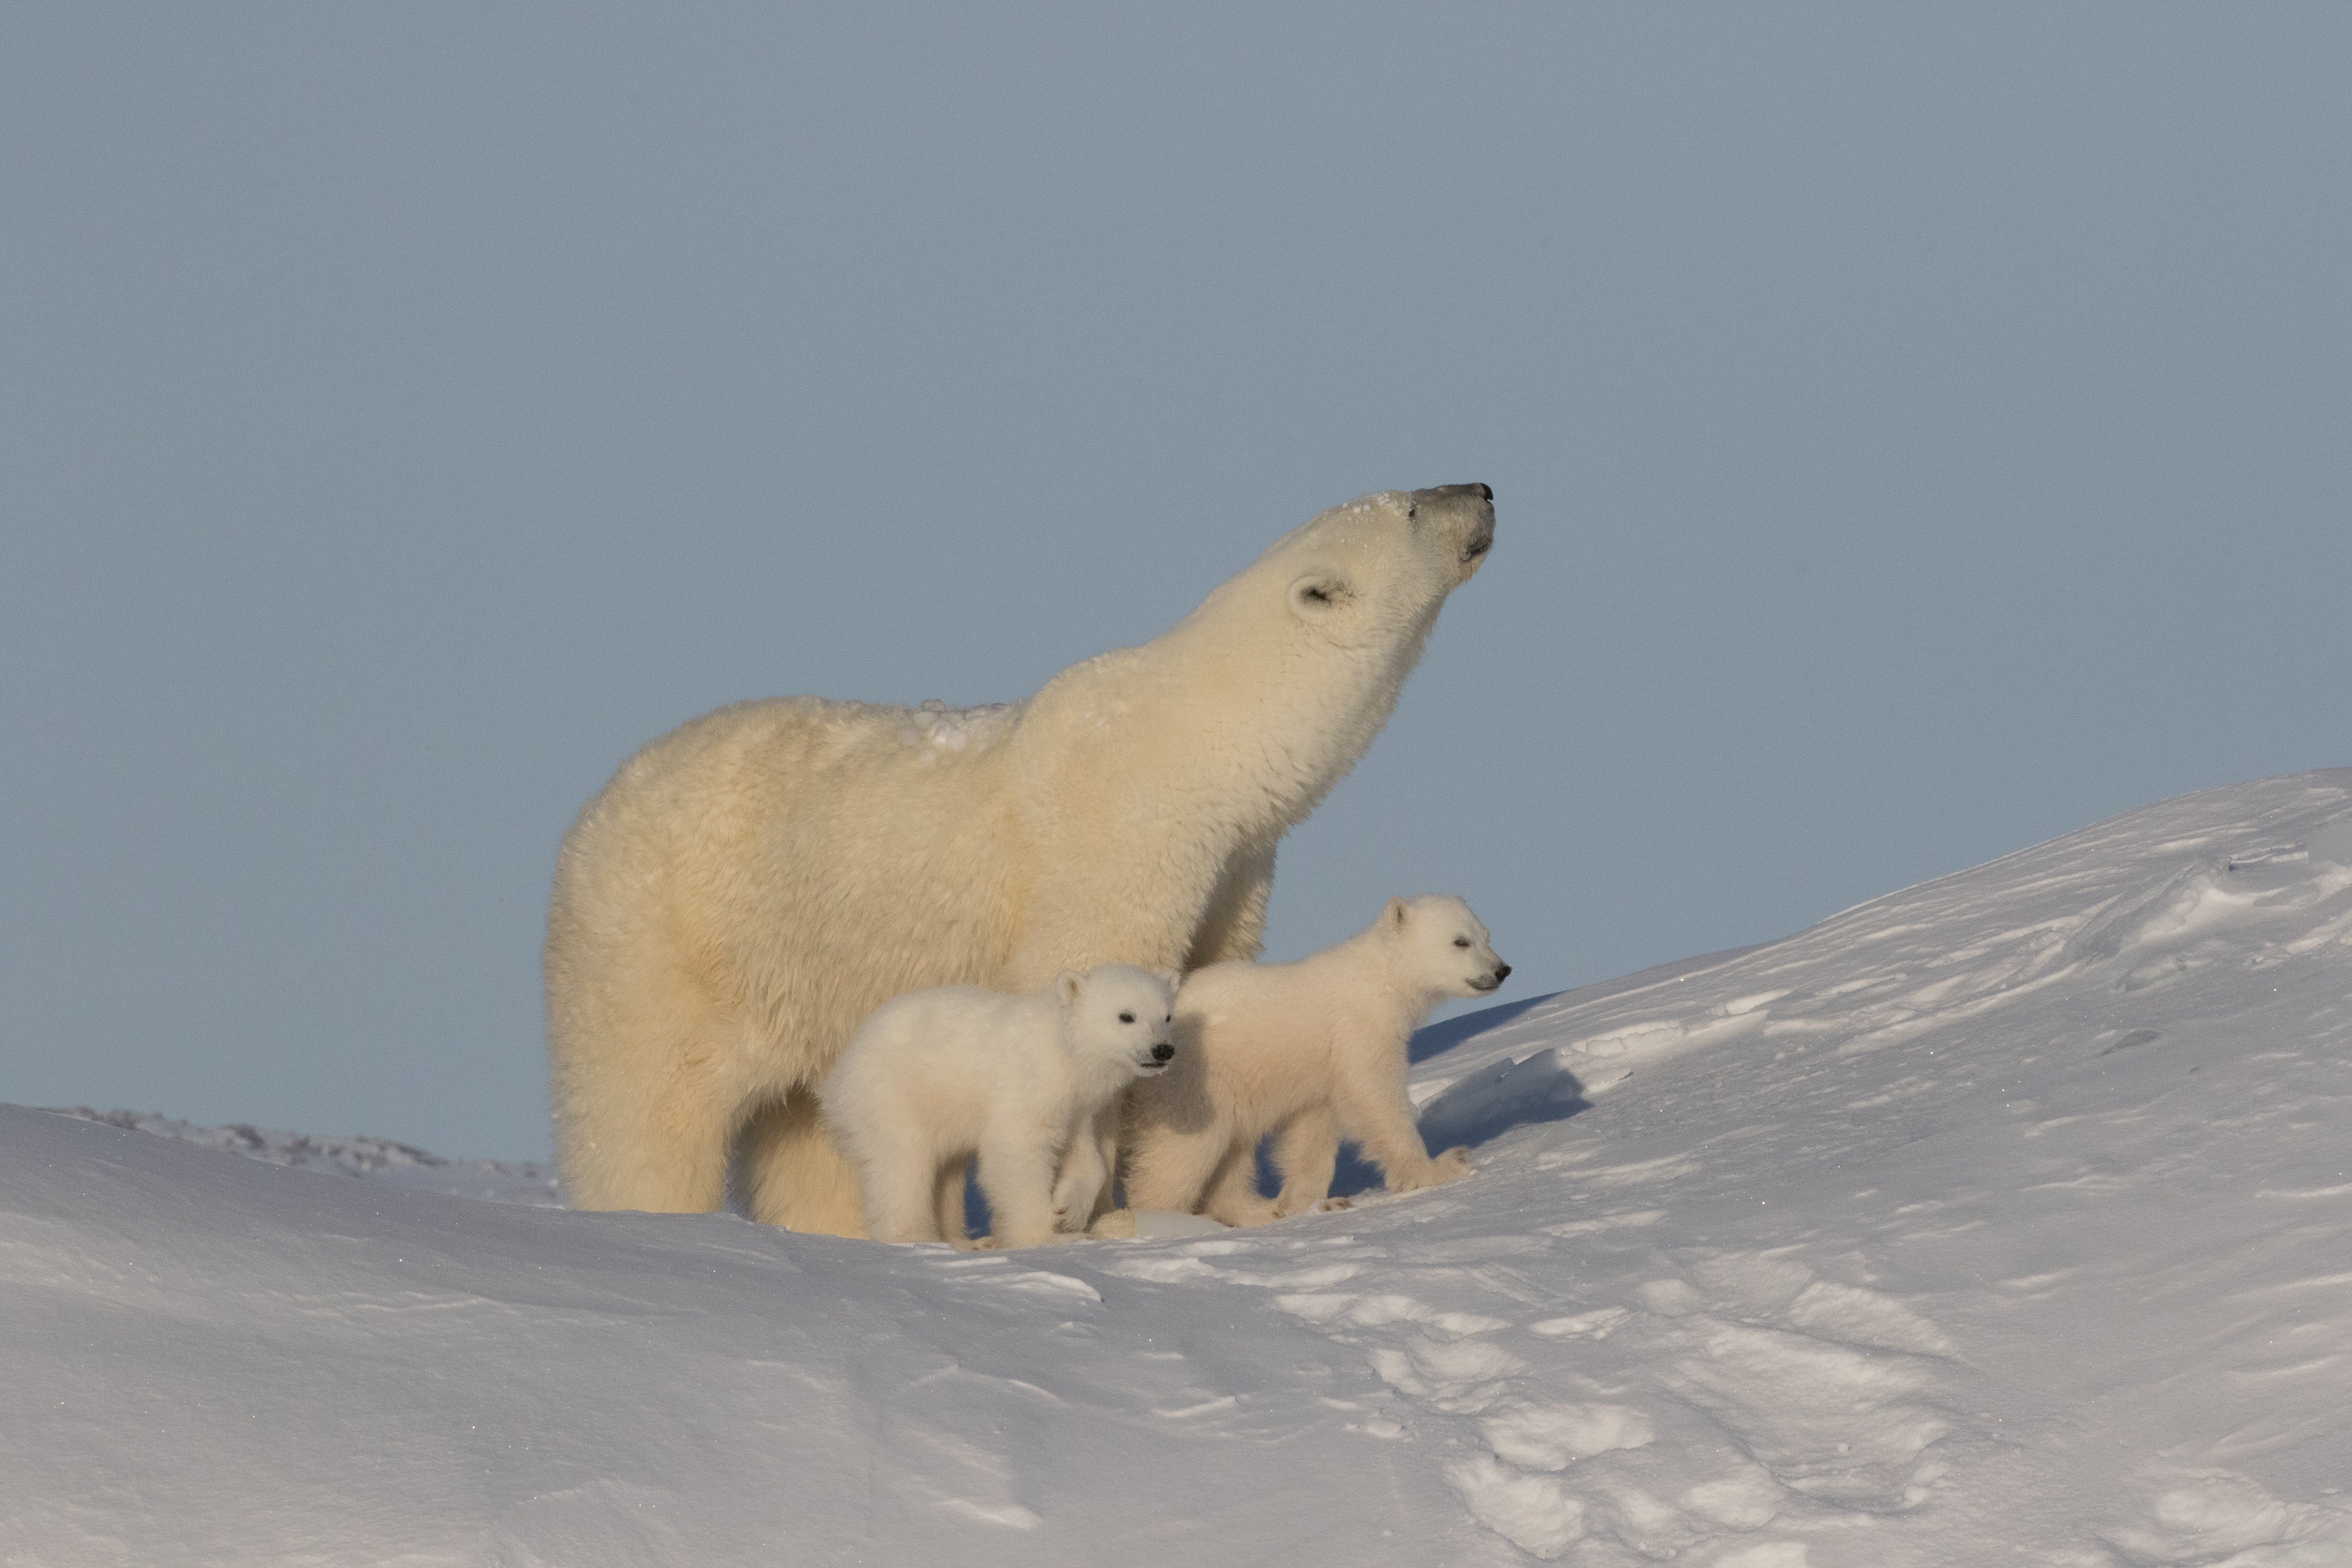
{"points": [[1127, 1017], [1461, 941]]}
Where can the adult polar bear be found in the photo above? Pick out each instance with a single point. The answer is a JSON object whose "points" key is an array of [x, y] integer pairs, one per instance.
{"points": [[751, 885]]}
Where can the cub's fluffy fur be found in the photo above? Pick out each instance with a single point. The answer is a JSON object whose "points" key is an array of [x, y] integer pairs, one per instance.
{"points": [[1313, 1052], [1028, 1083]]}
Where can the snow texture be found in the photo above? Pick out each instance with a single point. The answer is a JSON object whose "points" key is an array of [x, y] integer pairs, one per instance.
{"points": [[2004, 1219], [379, 1159]]}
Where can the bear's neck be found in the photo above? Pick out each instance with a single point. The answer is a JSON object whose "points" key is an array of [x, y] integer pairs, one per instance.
{"points": [[1273, 740], [1372, 977], [1093, 1082]]}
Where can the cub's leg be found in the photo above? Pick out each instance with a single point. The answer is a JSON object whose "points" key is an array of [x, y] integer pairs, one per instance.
{"points": [[1307, 1152], [1082, 1181], [1016, 1172], [1232, 1193], [1375, 1110], [902, 1185], [1167, 1169]]}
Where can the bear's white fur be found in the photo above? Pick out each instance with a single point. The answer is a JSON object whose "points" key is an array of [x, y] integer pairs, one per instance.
{"points": [[750, 886], [1025, 1082], [1312, 1052]]}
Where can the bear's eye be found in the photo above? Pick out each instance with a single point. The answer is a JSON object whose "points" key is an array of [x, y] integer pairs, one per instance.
{"points": [[1127, 1017], [1461, 941]]}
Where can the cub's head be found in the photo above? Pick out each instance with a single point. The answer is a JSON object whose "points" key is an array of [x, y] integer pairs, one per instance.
{"points": [[1441, 947], [1116, 1014]]}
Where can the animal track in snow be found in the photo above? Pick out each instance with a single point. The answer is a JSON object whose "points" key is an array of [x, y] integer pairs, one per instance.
{"points": [[1548, 1437], [1371, 1311], [2220, 1518]]}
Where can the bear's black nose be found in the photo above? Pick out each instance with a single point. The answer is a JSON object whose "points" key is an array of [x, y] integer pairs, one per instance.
{"points": [[1162, 1051], [1502, 973], [1486, 493]]}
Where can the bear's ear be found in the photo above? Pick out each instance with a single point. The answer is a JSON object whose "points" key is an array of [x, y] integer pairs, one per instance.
{"points": [[1068, 984], [1317, 594], [1396, 914]]}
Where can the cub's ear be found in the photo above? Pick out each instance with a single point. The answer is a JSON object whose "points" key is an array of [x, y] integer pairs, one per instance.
{"points": [[1317, 594], [1397, 913], [1068, 984], [1175, 977]]}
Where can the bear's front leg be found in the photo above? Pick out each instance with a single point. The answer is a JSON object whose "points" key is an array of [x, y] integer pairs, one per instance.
{"points": [[1083, 1177], [1375, 1110], [1307, 1152], [901, 1183], [1016, 1172]]}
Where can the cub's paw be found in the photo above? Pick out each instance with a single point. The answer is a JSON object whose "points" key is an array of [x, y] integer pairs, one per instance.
{"points": [[1118, 1225], [1286, 1207], [979, 1244], [1450, 1166]]}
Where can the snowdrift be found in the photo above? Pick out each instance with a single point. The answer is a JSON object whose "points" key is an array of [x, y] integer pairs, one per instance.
{"points": [[2006, 1218]]}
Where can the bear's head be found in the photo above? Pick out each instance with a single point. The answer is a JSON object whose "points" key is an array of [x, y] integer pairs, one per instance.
{"points": [[1374, 571], [1441, 948], [1115, 1018]]}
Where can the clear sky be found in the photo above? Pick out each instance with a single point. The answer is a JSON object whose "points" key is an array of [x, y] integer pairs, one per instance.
{"points": [[1916, 431]]}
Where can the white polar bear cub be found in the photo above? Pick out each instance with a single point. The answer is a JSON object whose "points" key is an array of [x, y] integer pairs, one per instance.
{"points": [[1030, 1083], [1313, 1051]]}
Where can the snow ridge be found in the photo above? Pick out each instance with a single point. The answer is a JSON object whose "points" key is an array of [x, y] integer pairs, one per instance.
{"points": [[394, 1164]]}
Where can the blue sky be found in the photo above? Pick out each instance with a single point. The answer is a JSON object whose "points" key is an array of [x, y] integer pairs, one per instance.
{"points": [[1915, 432]]}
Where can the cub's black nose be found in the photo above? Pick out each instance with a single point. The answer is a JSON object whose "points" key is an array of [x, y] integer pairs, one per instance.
{"points": [[1162, 1051], [1502, 973]]}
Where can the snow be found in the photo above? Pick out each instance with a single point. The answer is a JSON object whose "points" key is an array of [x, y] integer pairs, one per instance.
{"points": [[934, 724], [379, 1159], [2005, 1218]]}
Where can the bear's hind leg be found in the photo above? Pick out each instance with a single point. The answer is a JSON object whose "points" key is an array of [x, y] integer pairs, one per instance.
{"points": [[793, 1176], [1233, 1193], [641, 1121], [662, 1154], [954, 1229], [1170, 1169]]}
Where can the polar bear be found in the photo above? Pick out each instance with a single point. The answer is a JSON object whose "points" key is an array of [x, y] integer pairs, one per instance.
{"points": [[747, 888], [936, 1077], [1313, 1052]]}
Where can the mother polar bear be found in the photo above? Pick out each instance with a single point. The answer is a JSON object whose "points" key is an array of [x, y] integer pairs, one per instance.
{"points": [[749, 887]]}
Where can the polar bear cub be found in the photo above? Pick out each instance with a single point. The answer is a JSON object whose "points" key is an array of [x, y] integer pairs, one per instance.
{"points": [[1312, 1051], [1030, 1083]]}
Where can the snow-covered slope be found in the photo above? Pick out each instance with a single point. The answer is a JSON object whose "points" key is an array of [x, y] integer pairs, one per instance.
{"points": [[377, 1158], [2005, 1219]]}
